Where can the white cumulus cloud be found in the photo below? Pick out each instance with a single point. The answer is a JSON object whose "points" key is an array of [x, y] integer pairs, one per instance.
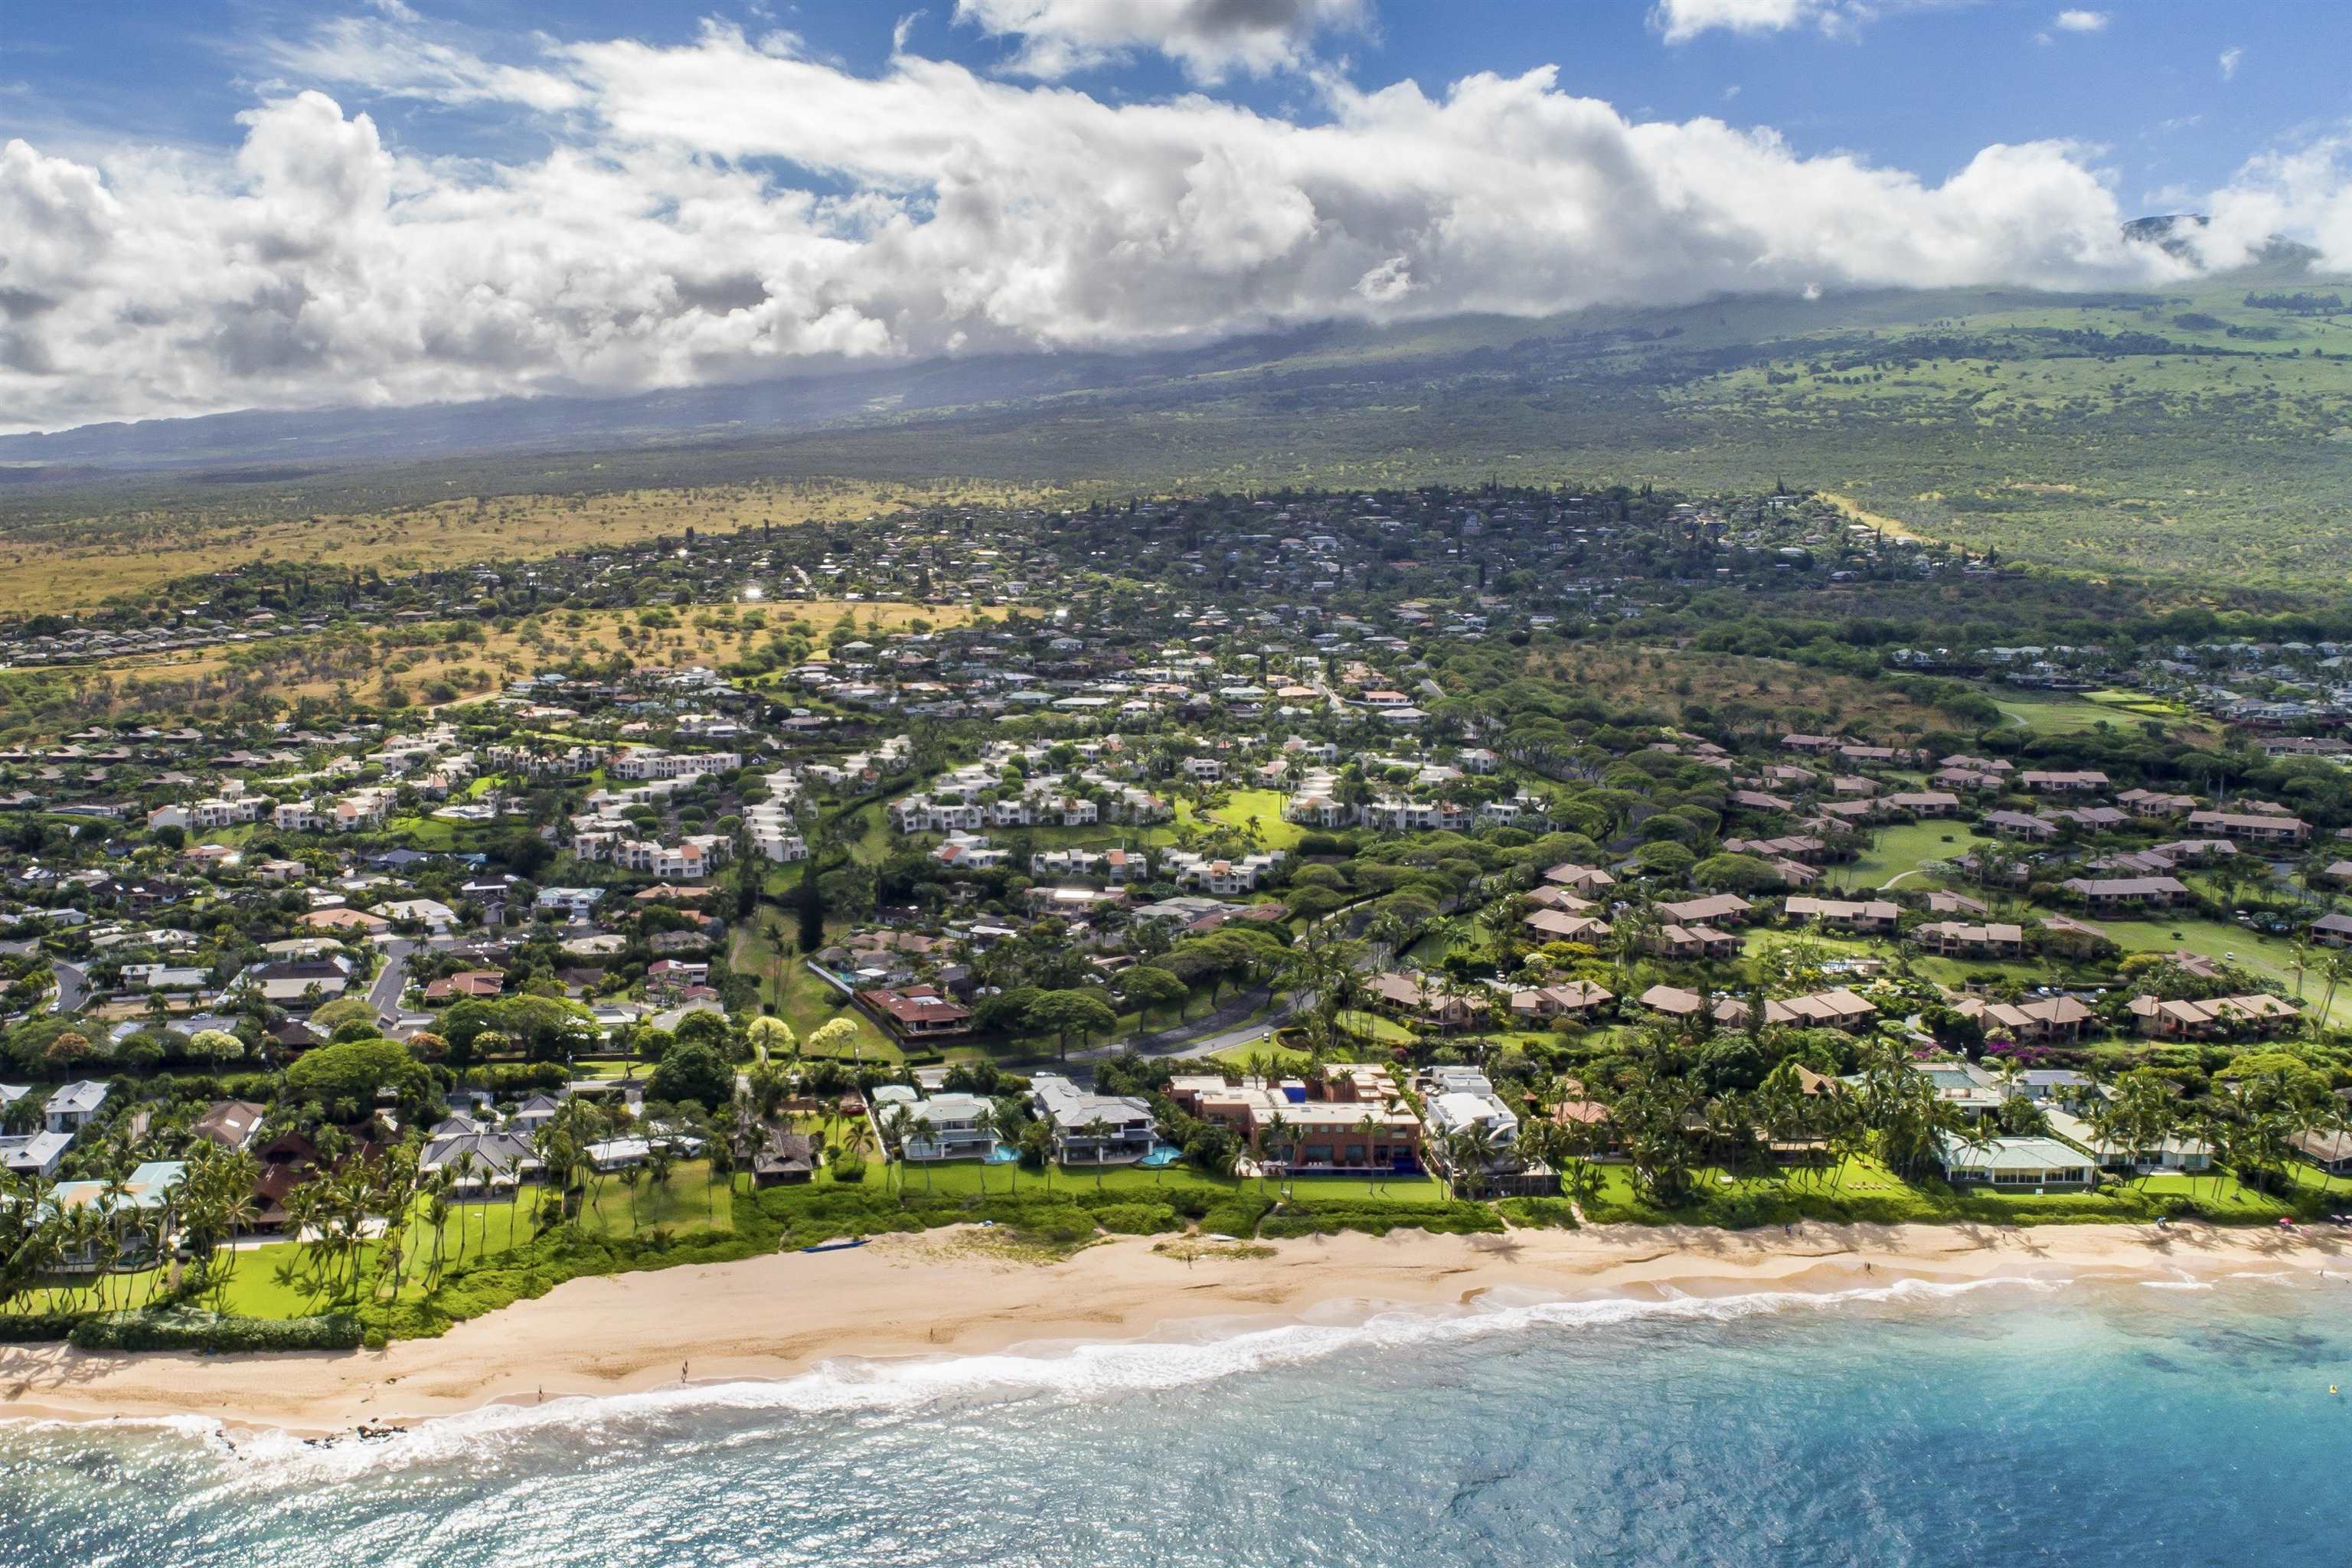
{"points": [[1683, 20], [1210, 38], [727, 209], [2231, 58]]}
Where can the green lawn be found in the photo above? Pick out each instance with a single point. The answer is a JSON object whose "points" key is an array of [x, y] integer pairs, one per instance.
{"points": [[872, 846], [2250, 951], [1898, 852], [1265, 804], [2059, 713], [1237, 1059], [763, 948], [961, 1177], [1375, 1028], [1877, 1193]]}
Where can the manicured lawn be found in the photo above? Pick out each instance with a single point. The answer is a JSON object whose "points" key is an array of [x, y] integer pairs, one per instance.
{"points": [[873, 843], [2250, 951], [763, 948], [269, 1281], [967, 1177], [2059, 713], [1237, 1059], [1265, 804], [1899, 851], [612, 1068], [1372, 1026], [687, 1203], [1866, 1180]]}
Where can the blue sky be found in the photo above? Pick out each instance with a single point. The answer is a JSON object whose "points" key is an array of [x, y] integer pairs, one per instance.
{"points": [[1920, 88], [220, 203]]}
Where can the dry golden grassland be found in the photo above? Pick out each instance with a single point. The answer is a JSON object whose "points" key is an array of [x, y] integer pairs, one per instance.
{"points": [[474, 659], [66, 567]]}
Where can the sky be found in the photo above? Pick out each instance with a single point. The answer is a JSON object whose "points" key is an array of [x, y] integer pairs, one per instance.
{"points": [[209, 205]]}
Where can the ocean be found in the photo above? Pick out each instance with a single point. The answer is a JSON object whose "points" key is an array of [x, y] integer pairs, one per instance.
{"points": [[2081, 1424]]}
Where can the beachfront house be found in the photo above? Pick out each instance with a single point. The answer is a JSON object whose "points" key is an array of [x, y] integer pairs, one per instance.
{"points": [[946, 1127], [2172, 1152], [2020, 1164], [1093, 1128], [134, 1215]]}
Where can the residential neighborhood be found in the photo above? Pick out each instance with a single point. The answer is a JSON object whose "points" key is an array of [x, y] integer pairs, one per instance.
{"points": [[1113, 879]]}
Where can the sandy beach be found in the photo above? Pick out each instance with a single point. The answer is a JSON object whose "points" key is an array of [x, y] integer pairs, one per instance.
{"points": [[958, 1292]]}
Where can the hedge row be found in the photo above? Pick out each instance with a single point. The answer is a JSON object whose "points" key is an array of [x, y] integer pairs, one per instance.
{"points": [[32, 1328], [193, 1329], [1934, 1203], [1322, 1217]]}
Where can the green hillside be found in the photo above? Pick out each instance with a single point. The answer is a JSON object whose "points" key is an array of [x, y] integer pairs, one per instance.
{"points": [[2202, 434]]}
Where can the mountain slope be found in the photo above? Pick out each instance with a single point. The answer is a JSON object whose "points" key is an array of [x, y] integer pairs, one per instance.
{"points": [[2202, 434]]}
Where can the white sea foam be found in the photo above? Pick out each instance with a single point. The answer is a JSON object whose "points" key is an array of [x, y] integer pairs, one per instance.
{"points": [[1185, 1353]]}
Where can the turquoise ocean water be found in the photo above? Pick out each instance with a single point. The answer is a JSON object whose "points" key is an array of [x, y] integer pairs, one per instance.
{"points": [[2088, 1423]]}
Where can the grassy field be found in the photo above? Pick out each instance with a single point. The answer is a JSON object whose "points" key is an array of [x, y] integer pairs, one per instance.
{"points": [[1868, 1185], [2071, 713], [1898, 853], [450, 661], [1375, 1028], [763, 948], [2266, 956], [1257, 811], [963, 1176], [74, 563], [284, 1278]]}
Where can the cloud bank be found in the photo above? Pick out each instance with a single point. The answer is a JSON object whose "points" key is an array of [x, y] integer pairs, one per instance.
{"points": [[1210, 38], [728, 209]]}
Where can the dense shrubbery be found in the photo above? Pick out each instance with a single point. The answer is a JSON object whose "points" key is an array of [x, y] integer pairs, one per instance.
{"points": [[1932, 1202], [1136, 1219], [33, 1327], [1316, 1216], [193, 1329]]}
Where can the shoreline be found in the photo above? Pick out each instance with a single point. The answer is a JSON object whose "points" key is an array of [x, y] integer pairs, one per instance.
{"points": [[959, 1293]]}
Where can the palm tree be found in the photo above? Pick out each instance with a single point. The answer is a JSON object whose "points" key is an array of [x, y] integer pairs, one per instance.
{"points": [[115, 1196], [660, 1160], [1098, 1131], [721, 1168], [924, 1132], [897, 1125], [1368, 1127], [2338, 970], [857, 1137], [462, 1169], [1471, 1150], [436, 1215], [1278, 1128], [983, 1127], [630, 1176]]}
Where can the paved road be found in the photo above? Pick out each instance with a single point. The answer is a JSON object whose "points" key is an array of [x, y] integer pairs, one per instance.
{"points": [[393, 978], [1228, 1025], [73, 988]]}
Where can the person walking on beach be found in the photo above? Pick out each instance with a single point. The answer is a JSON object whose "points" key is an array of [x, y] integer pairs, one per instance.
{"points": [[681, 1371]]}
